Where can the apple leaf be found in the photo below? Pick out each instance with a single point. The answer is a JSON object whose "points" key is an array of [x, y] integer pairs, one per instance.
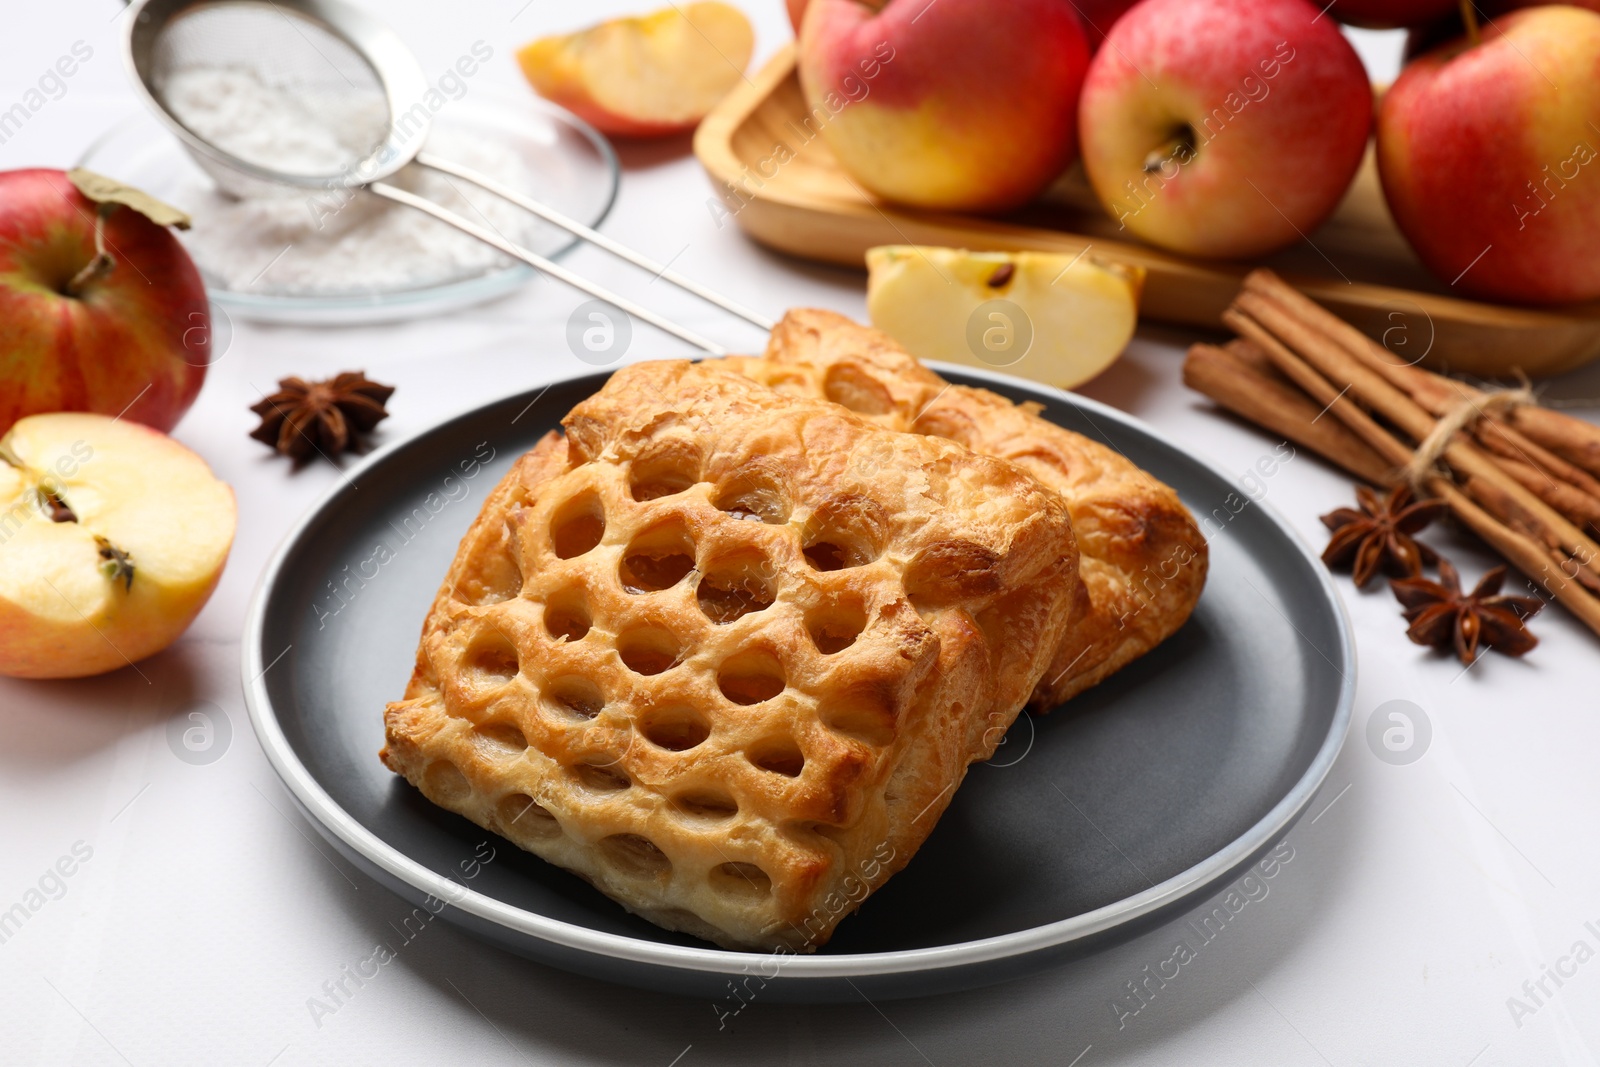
{"points": [[103, 190]]}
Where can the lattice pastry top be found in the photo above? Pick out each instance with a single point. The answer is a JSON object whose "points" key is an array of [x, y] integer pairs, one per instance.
{"points": [[1143, 560], [727, 654]]}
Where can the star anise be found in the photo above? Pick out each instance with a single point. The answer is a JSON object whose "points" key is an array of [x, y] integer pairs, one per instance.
{"points": [[326, 417], [1378, 537], [1441, 615]]}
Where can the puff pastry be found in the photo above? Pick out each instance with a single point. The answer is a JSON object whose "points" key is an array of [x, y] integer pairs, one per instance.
{"points": [[727, 654], [1143, 559]]}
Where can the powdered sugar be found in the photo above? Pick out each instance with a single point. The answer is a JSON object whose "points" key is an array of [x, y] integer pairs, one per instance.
{"points": [[322, 134], [335, 242]]}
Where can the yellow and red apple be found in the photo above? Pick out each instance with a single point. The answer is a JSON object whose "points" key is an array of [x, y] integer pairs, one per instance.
{"points": [[1490, 158], [128, 333], [651, 76], [1224, 128], [956, 105], [112, 537]]}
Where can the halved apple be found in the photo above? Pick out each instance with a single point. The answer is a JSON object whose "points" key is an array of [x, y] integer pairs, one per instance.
{"points": [[1053, 318], [112, 537], [648, 76]]}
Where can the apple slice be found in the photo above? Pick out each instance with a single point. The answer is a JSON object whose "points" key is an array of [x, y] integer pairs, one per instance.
{"points": [[1053, 318], [112, 537], [648, 76]]}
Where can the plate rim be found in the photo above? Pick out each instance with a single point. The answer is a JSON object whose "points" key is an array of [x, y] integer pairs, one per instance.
{"points": [[333, 818]]}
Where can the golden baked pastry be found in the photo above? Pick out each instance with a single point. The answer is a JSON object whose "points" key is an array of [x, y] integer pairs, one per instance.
{"points": [[1142, 558], [727, 654]]}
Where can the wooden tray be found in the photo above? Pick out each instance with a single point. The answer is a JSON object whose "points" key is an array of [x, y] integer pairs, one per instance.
{"points": [[1357, 264]]}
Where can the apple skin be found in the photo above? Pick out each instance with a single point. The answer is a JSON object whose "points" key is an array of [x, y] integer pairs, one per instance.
{"points": [[797, 13], [1391, 14], [1464, 139], [135, 341], [1254, 115], [970, 107]]}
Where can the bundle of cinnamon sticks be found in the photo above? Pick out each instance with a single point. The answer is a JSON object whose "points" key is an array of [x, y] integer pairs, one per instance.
{"points": [[1524, 478]]}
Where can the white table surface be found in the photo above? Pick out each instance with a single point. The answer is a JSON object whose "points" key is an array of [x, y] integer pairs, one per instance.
{"points": [[1420, 897]]}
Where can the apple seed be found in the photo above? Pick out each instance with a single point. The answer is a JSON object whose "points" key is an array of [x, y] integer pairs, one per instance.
{"points": [[55, 508]]}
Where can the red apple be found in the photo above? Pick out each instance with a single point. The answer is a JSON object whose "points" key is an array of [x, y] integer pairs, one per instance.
{"points": [[1098, 16], [797, 13], [956, 105], [131, 337], [1490, 158], [1390, 14], [1224, 128]]}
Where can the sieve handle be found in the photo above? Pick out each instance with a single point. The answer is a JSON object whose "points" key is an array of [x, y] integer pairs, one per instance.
{"points": [[533, 259], [594, 237]]}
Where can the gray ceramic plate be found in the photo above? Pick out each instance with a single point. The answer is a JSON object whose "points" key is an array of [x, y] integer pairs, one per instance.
{"points": [[1091, 824]]}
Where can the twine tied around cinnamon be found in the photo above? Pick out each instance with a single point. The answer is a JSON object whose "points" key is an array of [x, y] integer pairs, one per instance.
{"points": [[1424, 463]]}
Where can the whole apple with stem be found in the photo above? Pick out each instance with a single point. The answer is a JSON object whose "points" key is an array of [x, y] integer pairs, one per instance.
{"points": [[1489, 153], [100, 309], [956, 105], [1224, 128]]}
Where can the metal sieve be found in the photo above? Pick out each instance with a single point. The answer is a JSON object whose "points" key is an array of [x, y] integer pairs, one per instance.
{"points": [[358, 90]]}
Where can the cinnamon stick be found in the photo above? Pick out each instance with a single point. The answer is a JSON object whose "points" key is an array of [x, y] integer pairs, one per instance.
{"points": [[1527, 494], [1375, 390], [1321, 390], [1581, 507], [1573, 439], [1496, 436], [1228, 377]]}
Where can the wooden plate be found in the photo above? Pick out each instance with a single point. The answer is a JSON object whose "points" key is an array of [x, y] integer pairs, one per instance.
{"points": [[781, 184]]}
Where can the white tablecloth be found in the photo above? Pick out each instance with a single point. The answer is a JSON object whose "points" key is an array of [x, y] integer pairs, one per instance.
{"points": [[202, 915]]}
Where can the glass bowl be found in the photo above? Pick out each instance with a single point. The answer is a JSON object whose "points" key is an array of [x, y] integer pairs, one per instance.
{"points": [[569, 166]]}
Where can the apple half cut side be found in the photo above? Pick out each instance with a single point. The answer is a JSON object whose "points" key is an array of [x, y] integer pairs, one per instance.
{"points": [[650, 76], [112, 538], [1053, 318]]}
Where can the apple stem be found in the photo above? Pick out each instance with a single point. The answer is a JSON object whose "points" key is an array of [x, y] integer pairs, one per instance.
{"points": [[102, 261], [1469, 15]]}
